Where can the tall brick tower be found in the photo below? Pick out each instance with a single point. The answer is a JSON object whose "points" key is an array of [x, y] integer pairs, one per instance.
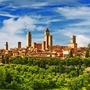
{"points": [[73, 39], [6, 46], [19, 44], [28, 39], [73, 44], [47, 39]]}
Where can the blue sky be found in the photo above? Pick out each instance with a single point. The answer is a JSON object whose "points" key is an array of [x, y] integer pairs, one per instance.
{"points": [[64, 18]]}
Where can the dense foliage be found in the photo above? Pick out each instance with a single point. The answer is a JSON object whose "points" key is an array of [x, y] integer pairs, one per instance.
{"points": [[45, 73]]}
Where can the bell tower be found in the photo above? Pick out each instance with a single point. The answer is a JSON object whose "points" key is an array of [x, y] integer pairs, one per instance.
{"points": [[6, 46], [47, 39], [73, 39], [28, 39], [73, 44]]}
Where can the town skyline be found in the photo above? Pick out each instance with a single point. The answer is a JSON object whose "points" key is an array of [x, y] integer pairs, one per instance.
{"points": [[64, 18], [43, 49]]}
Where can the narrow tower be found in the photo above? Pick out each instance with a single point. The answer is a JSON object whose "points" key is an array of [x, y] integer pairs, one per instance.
{"points": [[6, 46], [28, 39], [50, 40], [73, 39], [19, 44], [47, 39], [73, 44]]}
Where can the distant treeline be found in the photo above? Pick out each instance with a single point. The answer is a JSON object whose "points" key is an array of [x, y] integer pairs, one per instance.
{"points": [[43, 62]]}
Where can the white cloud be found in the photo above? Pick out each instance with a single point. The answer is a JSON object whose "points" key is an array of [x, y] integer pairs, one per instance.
{"points": [[37, 5], [48, 20], [8, 15], [38, 38], [16, 26], [11, 39], [11, 28], [82, 40], [2, 13], [85, 23], [40, 28], [75, 12], [69, 31]]}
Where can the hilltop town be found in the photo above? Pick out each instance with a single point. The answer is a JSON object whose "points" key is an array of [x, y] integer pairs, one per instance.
{"points": [[44, 49]]}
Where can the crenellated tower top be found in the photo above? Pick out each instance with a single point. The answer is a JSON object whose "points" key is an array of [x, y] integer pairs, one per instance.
{"points": [[47, 32]]}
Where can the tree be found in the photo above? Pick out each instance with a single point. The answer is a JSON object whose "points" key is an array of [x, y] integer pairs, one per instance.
{"points": [[2, 77], [74, 84], [70, 53], [87, 53], [5, 59], [88, 46]]}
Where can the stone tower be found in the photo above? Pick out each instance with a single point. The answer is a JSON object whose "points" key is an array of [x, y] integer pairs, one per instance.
{"points": [[43, 45], [47, 39], [6, 46], [73, 39], [28, 39], [73, 44], [19, 44]]}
